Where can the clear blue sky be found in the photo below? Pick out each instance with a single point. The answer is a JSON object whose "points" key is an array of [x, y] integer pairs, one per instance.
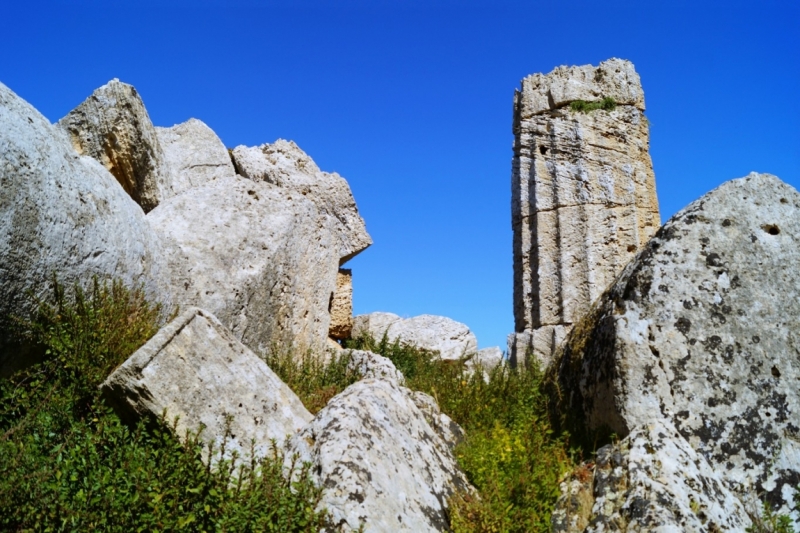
{"points": [[411, 102]]}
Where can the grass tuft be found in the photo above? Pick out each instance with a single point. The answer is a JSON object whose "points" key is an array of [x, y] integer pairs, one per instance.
{"points": [[582, 106]]}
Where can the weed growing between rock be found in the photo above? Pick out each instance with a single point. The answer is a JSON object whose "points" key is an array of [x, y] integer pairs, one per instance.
{"points": [[510, 454], [67, 463], [582, 106]]}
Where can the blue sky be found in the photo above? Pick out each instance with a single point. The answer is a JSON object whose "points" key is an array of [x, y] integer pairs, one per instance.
{"points": [[411, 102]]}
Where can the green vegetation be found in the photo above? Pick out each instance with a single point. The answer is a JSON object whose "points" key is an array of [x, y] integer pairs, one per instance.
{"points": [[771, 522], [582, 106], [510, 454], [67, 463]]}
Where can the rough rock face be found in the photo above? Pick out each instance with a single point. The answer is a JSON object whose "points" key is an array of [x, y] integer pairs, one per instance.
{"points": [[487, 358], [342, 306], [653, 480], [374, 366], [260, 258], [196, 370], [194, 155], [450, 432], [701, 330], [583, 196], [450, 338], [64, 214], [284, 164], [379, 461], [113, 127]]}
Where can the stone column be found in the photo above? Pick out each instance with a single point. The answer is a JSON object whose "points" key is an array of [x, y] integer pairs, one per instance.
{"points": [[341, 306], [583, 196]]}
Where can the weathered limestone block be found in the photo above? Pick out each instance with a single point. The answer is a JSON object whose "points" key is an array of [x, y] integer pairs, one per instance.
{"points": [[653, 480], [62, 214], [196, 370], [372, 365], [450, 432], [342, 306], [701, 330], [260, 258], [194, 155], [113, 127], [379, 461], [540, 343], [284, 164], [583, 193], [614, 78], [437, 333]]}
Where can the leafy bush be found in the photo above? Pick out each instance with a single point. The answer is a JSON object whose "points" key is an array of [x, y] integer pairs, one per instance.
{"points": [[582, 106], [67, 463], [510, 454]]}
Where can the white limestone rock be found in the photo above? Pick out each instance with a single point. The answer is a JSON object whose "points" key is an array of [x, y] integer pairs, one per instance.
{"points": [[66, 215], [653, 480], [342, 306], [450, 432], [284, 164], [583, 197], [701, 330], [614, 78], [451, 339], [194, 155], [373, 366], [197, 371], [379, 461], [113, 127], [259, 257]]}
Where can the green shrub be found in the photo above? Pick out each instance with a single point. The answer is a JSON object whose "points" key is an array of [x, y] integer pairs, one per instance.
{"points": [[582, 106], [510, 453], [313, 378], [67, 463]]}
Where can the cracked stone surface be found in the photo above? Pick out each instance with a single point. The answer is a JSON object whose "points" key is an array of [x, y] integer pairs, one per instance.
{"points": [[195, 369], [259, 257], [194, 155], [380, 462], [583, 197], [701, 330], [113, 127], [284, 164], [342, 306], [66, 214]]}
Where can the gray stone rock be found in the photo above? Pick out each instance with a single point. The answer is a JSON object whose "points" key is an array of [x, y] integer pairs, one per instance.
{"points": [[62, 214], [653, 480], [379, 461], [372, 365], [583, 197], [196, 370], [284, 164], [451, 339], [450, 432], [259, 257], [194, 155], [701, 330], [113, 127], [487, 359]]}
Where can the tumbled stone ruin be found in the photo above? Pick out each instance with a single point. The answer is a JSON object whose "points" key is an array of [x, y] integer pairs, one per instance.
{"points": [[583, 196]]}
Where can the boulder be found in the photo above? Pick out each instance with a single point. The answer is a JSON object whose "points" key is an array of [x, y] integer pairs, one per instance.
{"points": [[380, 463], [196, 370], [653, 480], [583, 197], [113, 127], [487, 358], [701, 331], [284, 164], [342, 306], [259, 257], [194, 155], [451, 339], [372, 365], [65, 215], [450, 432]]}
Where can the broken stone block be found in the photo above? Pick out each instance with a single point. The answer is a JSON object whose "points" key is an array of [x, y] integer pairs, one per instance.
{"points": [[196, 370], [342, 306]]}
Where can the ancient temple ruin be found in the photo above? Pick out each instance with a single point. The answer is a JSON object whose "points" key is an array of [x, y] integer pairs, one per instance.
{"points": [[583, 196]]}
